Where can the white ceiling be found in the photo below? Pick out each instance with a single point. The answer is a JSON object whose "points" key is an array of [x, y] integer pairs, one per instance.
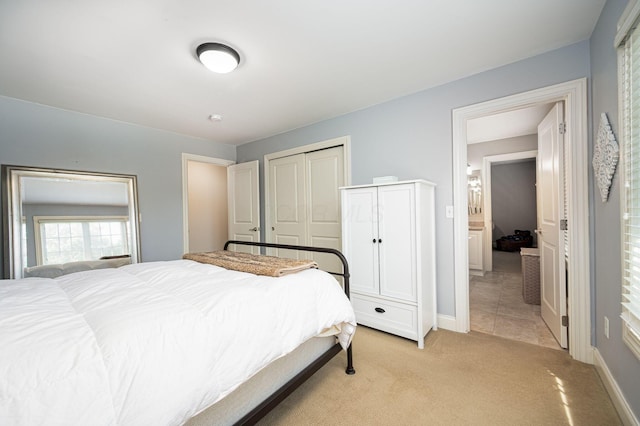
{"points": [[302, 62], [511, 124]]}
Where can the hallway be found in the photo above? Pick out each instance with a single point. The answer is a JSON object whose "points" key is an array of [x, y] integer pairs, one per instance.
{"points": [[497, 306]]}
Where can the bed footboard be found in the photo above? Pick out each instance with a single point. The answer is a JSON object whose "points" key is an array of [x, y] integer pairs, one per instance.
{"points": [[278, 396]]}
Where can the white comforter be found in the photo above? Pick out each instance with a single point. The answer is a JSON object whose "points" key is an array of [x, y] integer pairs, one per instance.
{"points": [[150, 343]]}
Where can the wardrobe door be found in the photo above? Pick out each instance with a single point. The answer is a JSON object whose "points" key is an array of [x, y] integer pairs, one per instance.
{"points": [[397, 241], [360, 236]]}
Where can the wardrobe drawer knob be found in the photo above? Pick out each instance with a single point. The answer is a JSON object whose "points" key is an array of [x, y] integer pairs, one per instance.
{"points": [[380, 310]]}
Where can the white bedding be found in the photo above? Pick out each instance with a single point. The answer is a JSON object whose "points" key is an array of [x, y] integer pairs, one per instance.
{"points": [[151, 343]]}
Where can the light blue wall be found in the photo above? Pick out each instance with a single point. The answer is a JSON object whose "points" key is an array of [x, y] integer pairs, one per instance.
{"points": [[606, 240], [411, 137], [408, 137], [513, 198], [36, 135]]}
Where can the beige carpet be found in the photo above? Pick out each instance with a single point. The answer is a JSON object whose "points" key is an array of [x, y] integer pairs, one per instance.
{"points": [[458, 379]]}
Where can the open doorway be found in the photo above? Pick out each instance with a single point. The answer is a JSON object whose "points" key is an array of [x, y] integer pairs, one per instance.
{"points": [[498, 304], [205, 222], [573, 94]]}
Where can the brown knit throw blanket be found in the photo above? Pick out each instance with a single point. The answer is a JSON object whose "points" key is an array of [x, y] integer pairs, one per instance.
{"points": [[255, 264]]}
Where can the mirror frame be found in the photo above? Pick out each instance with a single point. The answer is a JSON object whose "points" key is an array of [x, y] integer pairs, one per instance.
{"points": [[12, 209]]}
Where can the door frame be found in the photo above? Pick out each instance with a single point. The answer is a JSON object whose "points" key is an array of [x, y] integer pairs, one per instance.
{"points": [[574, 95], [487, 162], [344, 141], [185, 189]]}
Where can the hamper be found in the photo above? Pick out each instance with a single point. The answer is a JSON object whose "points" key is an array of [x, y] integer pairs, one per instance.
{"points": [[530, 275]]}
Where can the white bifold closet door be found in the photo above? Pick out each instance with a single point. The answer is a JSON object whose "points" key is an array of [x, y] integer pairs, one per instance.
{"points": [[304, 203]]}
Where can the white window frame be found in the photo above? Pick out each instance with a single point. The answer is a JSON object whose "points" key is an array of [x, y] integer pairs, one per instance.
{"points": [[39, 220], [630, 305]]}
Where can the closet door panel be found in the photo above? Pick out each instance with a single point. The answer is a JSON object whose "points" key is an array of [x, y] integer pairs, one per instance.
{"points": [[287, 203], [325, 174]]}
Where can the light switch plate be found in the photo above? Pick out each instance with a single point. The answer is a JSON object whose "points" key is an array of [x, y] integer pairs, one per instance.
{"points": [[449, 212]]}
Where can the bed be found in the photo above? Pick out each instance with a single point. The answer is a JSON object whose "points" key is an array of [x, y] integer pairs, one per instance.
{"points": [[166, 343]]}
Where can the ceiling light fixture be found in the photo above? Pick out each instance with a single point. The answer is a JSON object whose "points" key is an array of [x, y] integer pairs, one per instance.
{"points": [[217, 57]]}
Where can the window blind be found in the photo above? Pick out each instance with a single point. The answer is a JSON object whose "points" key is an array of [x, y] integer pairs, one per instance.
{"points": [[630, 76]]}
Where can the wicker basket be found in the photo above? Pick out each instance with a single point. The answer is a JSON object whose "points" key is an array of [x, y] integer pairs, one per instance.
{"points": [[530, 275]]}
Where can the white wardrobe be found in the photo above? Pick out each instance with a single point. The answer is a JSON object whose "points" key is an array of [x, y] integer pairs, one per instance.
{"points": [[388, 238]]}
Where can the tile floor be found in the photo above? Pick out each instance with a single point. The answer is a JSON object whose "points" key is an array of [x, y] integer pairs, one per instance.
{"points": [[497, 307]]}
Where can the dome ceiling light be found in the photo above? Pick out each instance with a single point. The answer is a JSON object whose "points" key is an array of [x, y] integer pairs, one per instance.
{"points": [[218, 57]]}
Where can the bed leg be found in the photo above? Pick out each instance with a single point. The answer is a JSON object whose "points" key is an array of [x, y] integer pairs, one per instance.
{"points": [[350, 370]]}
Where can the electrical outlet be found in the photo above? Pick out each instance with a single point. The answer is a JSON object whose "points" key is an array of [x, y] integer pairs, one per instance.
{"points": [[606, 327]]}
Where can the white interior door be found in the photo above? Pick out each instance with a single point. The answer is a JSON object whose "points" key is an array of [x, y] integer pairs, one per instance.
{"points": [[243, 203], [287, 203], [550, 201]]}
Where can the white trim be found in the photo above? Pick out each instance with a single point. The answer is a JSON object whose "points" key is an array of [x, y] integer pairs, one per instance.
{"points": [[344, 141], [615, 393], [621, 75], [487, 162], [185, 189], [629, 337], [446, 322], [574, 94], [626, 21]]}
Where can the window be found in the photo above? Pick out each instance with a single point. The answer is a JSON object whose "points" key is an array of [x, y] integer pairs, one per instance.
{"points": [[628, 42], [23, 239], [70, 239]]}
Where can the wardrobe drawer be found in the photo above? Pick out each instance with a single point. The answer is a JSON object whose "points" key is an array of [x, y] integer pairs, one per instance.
{"points": [[392, 317]]}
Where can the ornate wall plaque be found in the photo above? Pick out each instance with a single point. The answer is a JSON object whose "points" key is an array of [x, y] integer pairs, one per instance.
{"points": [[605, 157]]}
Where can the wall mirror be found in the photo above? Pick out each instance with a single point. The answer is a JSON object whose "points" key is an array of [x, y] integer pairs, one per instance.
{"points": [[474, 193], [53, 216]]}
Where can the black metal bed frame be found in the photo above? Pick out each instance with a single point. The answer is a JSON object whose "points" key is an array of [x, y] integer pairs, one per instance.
{"points": [[285, 390]]}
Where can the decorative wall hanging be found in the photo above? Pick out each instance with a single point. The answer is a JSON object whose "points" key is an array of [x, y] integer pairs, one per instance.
{"points": [[605, 157]]}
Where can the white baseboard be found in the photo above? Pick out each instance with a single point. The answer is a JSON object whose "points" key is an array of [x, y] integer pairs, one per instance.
{"points": [[615, 393], [447, 322]]}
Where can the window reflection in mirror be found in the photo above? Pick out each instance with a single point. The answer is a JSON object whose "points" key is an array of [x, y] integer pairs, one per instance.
{"points": [[474, 193], [58, 216]]}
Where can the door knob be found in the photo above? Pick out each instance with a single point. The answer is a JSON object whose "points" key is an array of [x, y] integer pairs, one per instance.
{"points": [[254, 229]]}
